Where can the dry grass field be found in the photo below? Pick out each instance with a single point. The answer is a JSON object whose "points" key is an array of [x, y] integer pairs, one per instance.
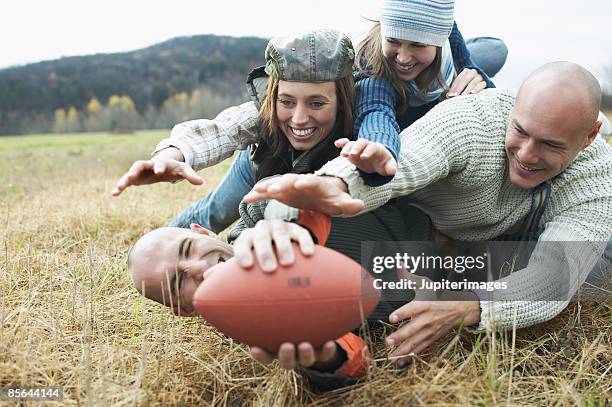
{"points": [[69, 316]]}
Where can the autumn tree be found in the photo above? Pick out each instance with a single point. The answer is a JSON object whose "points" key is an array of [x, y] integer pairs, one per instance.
{"points": [[59, 121], [73, 120], [93, 110], [122, 114]]}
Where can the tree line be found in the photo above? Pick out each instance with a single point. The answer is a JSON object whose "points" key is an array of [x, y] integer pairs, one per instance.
{"points": [[148, 88], [154, 87], [119, 113]]}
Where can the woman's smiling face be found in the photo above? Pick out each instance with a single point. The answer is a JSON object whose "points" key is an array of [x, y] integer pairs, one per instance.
{"points": [[408, 58], [306, 112]]}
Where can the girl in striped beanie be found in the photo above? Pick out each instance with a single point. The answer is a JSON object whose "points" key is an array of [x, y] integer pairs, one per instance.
{"points": [[412, 59]]}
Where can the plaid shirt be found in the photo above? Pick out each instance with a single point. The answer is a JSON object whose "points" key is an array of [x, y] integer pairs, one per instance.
{"points": [[207, 142]]}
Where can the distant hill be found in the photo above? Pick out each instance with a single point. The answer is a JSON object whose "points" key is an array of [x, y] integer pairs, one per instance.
{"points": [[30, 94]]}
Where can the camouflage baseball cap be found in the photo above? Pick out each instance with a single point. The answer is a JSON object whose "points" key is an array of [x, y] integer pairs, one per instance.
{"points": [[315, 56]]}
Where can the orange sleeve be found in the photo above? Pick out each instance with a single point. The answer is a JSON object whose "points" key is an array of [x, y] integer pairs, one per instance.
{"points": [[318, 223], [357, 353]]}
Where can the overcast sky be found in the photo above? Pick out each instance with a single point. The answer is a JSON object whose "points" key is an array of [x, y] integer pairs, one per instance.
{"points": [[536, 31]]}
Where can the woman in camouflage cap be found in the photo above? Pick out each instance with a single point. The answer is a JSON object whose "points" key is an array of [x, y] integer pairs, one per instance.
{"points": [[306, 105], [308, 102]]}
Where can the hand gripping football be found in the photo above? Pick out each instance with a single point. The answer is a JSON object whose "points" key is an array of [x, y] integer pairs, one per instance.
{"points": [[317, 299]]}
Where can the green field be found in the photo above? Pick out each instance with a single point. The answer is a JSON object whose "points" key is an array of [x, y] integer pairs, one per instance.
{"points": [[70, 317]]}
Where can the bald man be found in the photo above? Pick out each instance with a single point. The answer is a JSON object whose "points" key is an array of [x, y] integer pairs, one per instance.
{"points": [[168, 264], [491, 166]]}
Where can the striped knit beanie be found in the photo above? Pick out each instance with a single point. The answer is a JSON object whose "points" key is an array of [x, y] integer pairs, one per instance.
{"points": [[426, 21]]}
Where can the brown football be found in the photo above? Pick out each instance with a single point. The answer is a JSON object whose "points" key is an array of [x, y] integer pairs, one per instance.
{"points": [[317, 299]]}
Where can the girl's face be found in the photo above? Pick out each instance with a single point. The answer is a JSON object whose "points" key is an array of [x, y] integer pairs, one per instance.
{"points": [[408, 58], [306, 112]]}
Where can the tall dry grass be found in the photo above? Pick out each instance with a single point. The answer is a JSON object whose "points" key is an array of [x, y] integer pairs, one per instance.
{"points": [[69, 316]]}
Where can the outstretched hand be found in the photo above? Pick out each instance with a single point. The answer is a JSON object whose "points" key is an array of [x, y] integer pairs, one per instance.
{"points": [[368, 156], [429, 320], [161, 168], [308, 191]]}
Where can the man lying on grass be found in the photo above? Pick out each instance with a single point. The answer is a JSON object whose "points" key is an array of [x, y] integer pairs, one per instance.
{"points": [[168, 264]]}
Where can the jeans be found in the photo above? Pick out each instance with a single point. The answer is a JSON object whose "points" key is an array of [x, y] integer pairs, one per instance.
{"points": [[488, 53], [219, 209]]}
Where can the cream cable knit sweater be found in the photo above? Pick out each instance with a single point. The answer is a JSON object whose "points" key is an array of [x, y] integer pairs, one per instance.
{"points": [[453, 165]]}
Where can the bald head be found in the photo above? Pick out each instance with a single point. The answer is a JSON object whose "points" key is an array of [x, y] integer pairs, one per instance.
{"points": [[562, 88], [168, 264], [146, 254], [554, 119]]}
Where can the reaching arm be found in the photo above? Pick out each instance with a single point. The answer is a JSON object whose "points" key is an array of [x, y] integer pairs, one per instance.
{"points": [[375, 122], [571, 244], [207, 142], [194, 145], [430, 150], [166, 166]]}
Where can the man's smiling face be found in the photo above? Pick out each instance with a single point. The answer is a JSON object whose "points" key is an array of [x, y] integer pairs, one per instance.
{"points": [[551, 123], [168, 264], [535, 156]]}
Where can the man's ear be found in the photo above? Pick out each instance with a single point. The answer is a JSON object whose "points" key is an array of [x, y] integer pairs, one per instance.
{"points": [[202, 230], [593, 133], [180, 312]]}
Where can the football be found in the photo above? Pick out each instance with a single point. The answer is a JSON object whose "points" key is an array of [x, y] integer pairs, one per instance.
{"points": [[316, 299]]}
